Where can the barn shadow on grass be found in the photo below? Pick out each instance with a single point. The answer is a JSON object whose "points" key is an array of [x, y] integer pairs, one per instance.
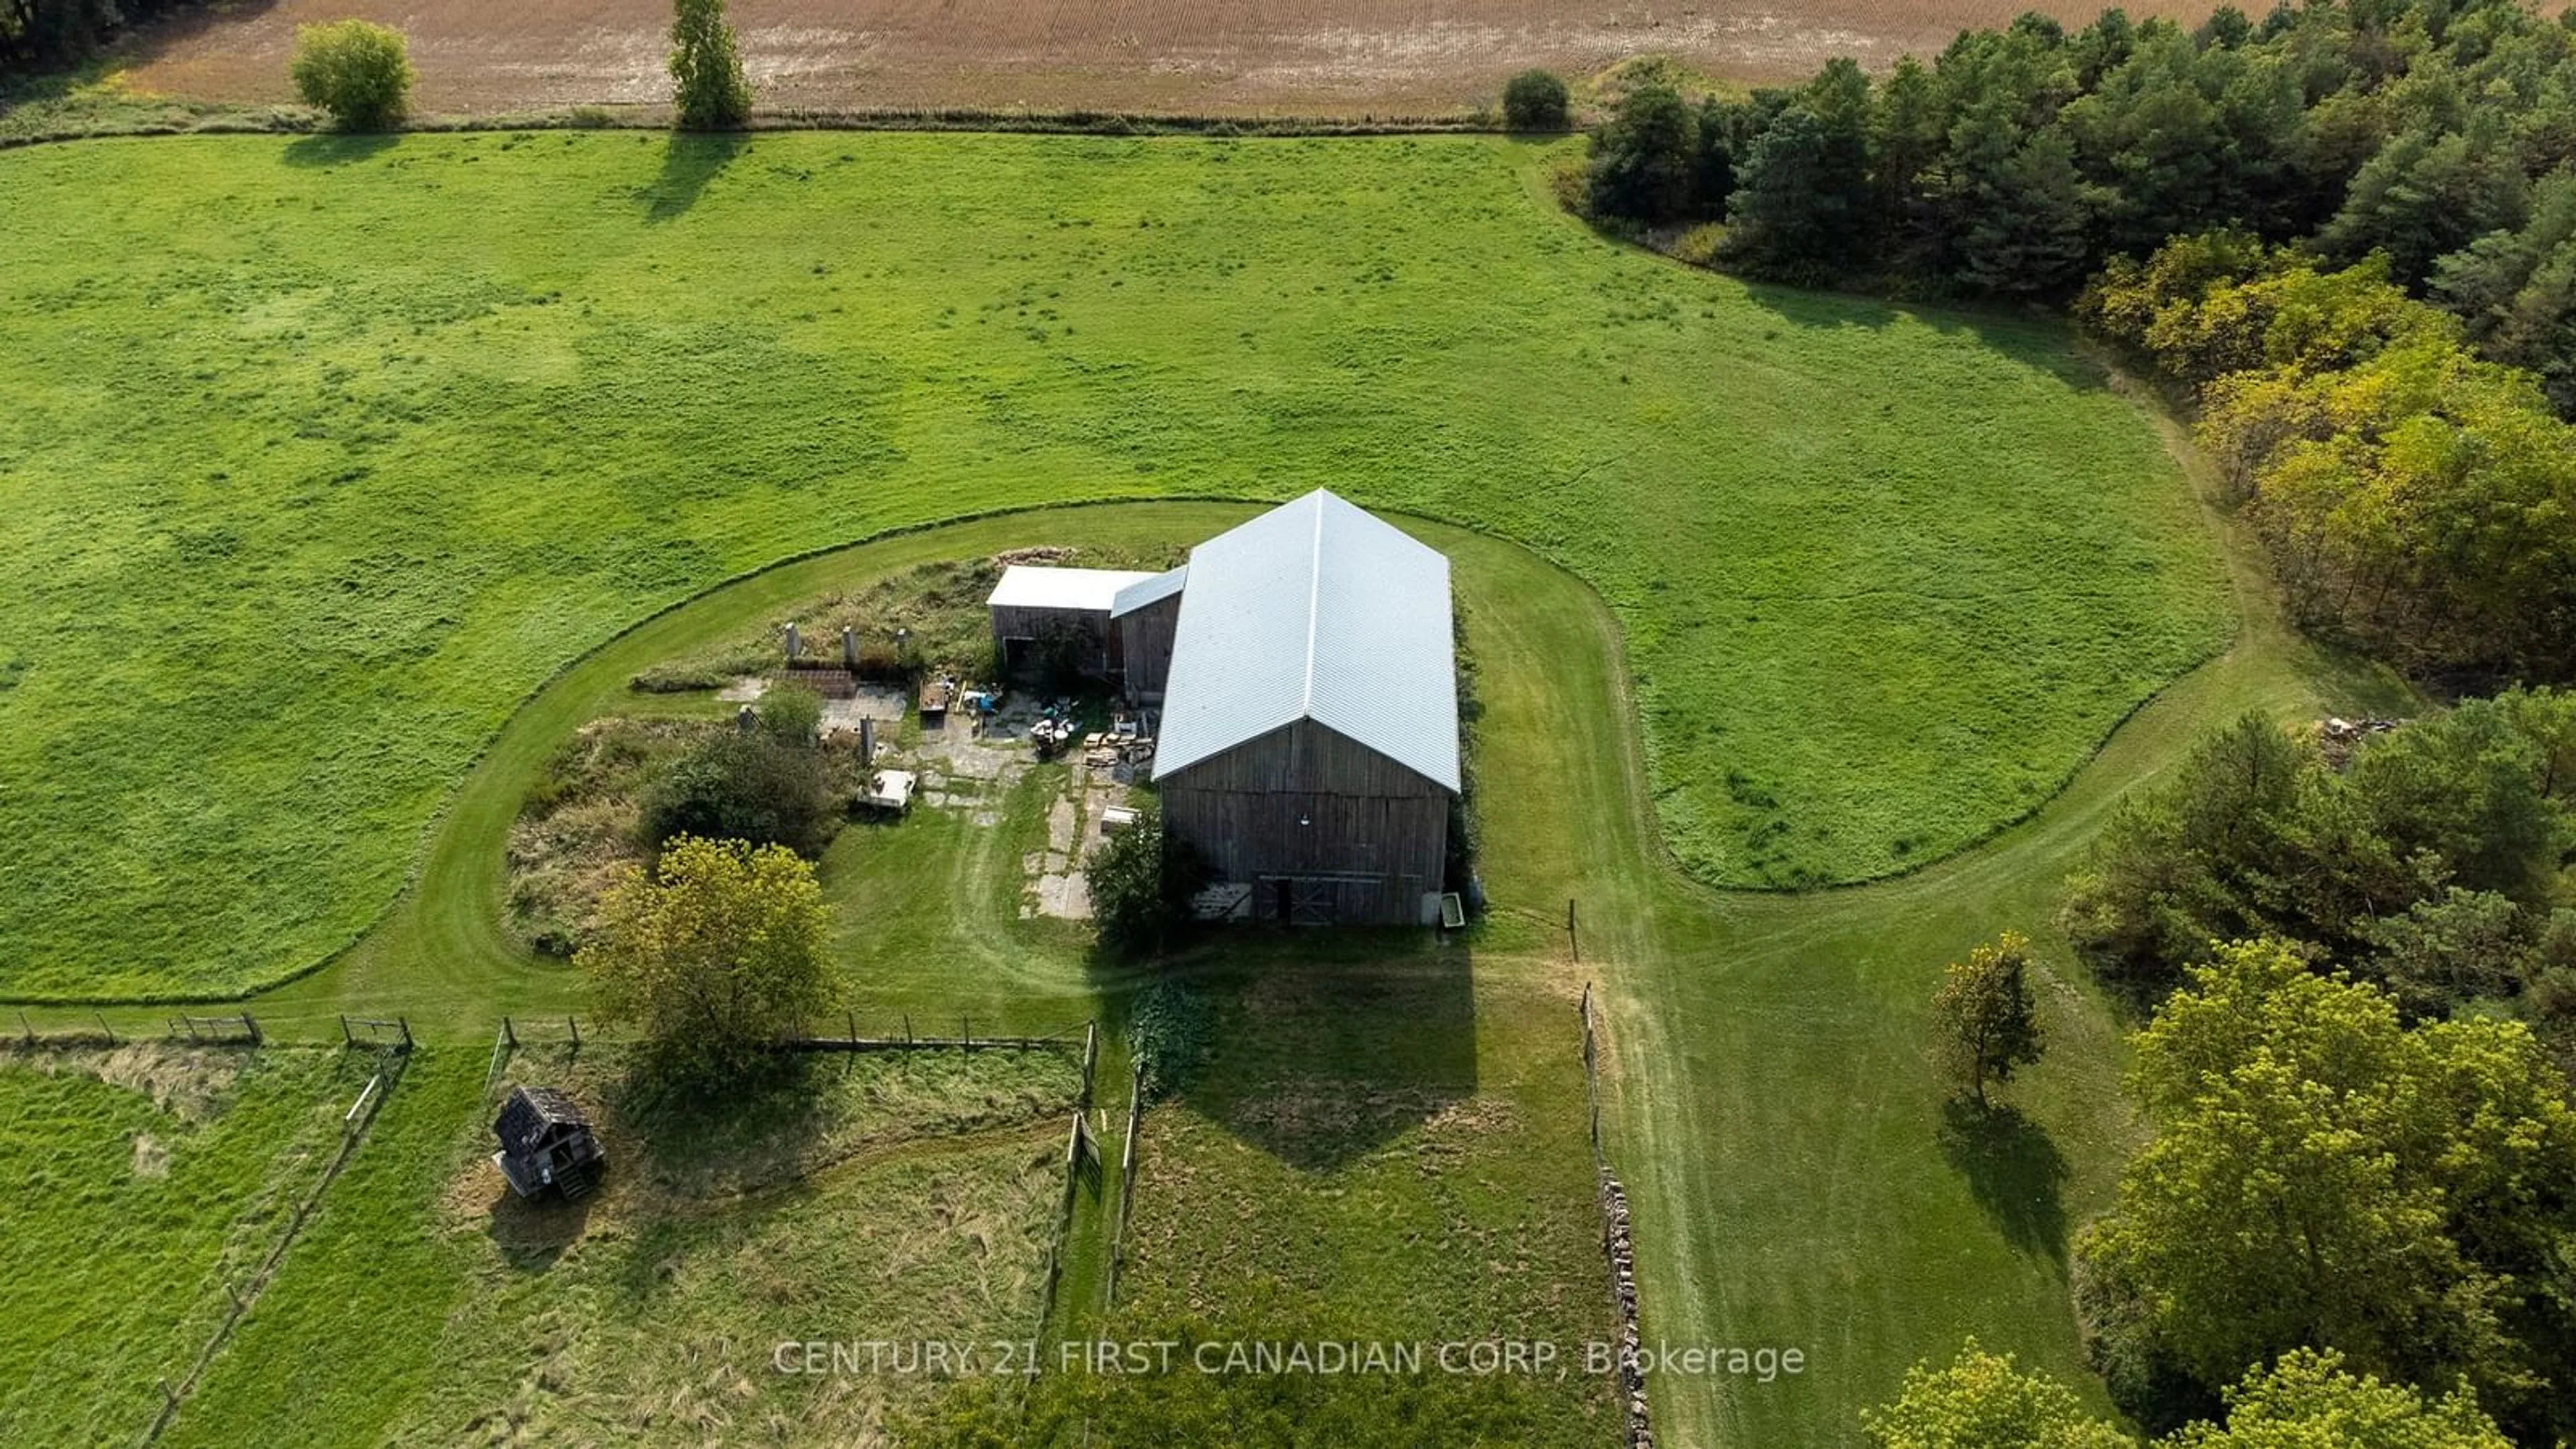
{"points": [[690, 160], [2013, 1169], [1327, 1046]]}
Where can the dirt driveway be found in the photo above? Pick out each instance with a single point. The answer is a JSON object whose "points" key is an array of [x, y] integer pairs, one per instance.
{"points": [[1346, 58]]}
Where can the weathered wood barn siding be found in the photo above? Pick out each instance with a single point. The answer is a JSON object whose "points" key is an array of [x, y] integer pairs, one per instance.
{"points": [[1355, 836], [1145, 647], [1031, 625]]}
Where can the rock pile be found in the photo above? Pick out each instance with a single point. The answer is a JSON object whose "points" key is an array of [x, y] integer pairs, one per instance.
{"points": [[1623, 1282]]}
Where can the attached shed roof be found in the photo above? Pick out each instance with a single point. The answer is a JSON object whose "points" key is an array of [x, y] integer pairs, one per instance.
{"points": [[1152, 590], [1315, 610], [1031, 586]]}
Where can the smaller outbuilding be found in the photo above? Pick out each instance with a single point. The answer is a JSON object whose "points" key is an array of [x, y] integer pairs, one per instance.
{"points": [[546, 1145], [1052, 617]]}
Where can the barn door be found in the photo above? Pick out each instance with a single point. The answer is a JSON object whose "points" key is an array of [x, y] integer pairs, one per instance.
{"points": [[1310, 903]]}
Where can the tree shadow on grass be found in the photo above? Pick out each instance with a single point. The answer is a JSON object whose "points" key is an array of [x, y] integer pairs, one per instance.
{"points": [[1329, 1045], [338, 148], [2015, 1171], [690, 159]]}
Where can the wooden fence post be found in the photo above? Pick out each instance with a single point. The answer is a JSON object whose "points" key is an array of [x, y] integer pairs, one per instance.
{"points": [[347, 1038], [1573, 942], [252, 1027], [854, 1027], [509, 1034], [405, 1023], [30, 1026], [907, 1028], [576, 1030], [106, 1030]]}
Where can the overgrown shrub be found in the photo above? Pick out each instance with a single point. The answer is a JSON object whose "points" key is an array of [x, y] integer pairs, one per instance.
{"points": [[747, 786], [1141, 882], [1466, 824], [357, 71], [1535, 100], [1168, 1033], [791, 714], [2466, 814]]}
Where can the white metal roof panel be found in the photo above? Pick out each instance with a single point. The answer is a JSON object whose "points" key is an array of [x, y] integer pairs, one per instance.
{"points": [[1150, 591], [1315, 610], [1034, 586]]}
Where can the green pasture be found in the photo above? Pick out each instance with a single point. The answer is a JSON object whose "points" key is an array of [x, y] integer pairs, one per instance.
{"points": [[323, 454], [858, 1203], [1795, 1180], [145, 1184]]}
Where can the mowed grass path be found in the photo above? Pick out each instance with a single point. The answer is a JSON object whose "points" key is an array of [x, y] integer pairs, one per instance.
{"points": [[321, 455]]}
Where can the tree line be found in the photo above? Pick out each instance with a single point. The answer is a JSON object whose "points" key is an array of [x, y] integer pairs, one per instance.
{"points": [[2345, 234], [2021, 159], [38, 35], [2360, 964]]}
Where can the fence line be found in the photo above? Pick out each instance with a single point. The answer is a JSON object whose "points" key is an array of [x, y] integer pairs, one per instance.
{"points": [[210, 1028], [1616, 1243], [1126, 1186], [242, 1028], [1079, 1149], [361, 1115]]}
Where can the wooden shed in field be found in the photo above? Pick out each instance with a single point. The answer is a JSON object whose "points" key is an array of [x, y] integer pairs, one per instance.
{"points": [[1309, 738], [1053, 615], [546, 1144]]}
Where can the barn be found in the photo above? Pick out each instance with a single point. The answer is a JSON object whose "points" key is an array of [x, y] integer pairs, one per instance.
{"points": [[1308, 748], [1044, 616]]}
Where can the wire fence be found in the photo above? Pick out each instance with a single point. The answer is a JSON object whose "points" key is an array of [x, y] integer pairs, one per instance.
{"points": [[1126, 1187], [353, 1130]]}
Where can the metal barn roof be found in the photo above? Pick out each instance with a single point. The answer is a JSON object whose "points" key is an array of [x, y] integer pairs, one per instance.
{"points": [[1150, 591], [1029, 586], [1315, 610]]}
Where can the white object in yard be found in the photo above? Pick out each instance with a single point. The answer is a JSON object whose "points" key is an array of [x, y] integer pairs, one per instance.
{"points": [[1453, 911], [1224, 901], [1116, 817], [890, 790]]}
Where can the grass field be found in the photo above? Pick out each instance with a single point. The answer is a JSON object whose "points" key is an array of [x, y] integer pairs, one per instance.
{"points": [[143, 1183], [325, 453], [426, 1307], [1795, 1181], [1391, 1141]]}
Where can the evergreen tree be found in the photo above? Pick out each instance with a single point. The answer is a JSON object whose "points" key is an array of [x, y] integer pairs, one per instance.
{"points": [[1643, 157], [1787, 216], [2027, 218]]}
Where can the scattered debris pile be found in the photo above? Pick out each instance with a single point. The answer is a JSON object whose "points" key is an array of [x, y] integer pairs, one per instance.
{"points": [[2339, 737]]}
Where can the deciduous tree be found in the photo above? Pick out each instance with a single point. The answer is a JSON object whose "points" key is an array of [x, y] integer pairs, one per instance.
{"points": [[715, 957], [1982, 1401], [1986, 1018], [710, 92]]}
